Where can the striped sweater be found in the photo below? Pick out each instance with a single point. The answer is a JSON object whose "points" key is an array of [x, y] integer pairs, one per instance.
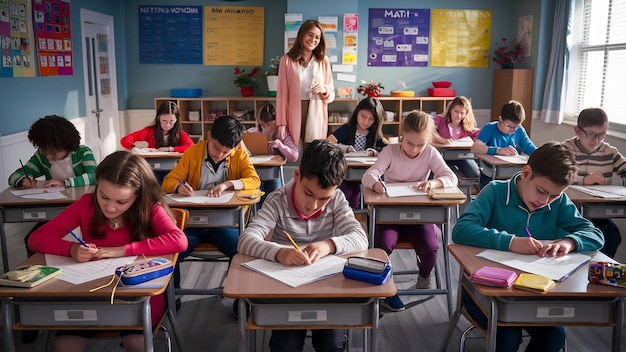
{"points": [[336, 222], [83, 163], [605, 159]]}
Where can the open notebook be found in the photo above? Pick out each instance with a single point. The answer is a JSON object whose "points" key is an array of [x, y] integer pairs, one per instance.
{"points": [[295, 276]]}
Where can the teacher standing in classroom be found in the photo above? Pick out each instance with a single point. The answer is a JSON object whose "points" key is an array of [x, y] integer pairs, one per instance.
{"points": [[305, 86]]}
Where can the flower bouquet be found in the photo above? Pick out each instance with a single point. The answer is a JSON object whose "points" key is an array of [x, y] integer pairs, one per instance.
{"points": [[246, 79], [508, 52], [370, 88]]}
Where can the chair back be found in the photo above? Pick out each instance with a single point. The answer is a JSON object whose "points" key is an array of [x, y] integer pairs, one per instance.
{"points": [[180, 216]]}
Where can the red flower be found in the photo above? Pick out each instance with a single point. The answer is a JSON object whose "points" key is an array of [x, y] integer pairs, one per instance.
{"points": [[508, 52], [370, 89], [246, 79]]}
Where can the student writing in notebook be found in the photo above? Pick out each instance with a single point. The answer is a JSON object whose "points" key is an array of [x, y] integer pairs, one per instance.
{"points": [[503, 137], [125, 216], [317, 216], [532, 200], [598, 161], [210, 168], [411, 160], [362, 132], [455, 123]]}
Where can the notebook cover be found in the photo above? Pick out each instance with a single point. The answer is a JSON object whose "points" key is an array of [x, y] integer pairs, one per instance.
{"points": [[256, 142], [447, 193], [534, 283], [46, 273], [492, 276]]}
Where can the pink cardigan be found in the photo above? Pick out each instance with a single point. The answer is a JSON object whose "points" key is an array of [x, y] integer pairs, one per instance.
{"points": [[444, 130], [288, 100]]}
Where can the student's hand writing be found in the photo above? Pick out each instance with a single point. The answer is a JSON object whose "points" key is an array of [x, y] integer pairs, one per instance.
{"points": [[185, 189], [350, 149], [317, 250], [81, 253], [53, 183], [594, 178], [508, 150], [378, 188], [525, 245], [110, 252], [28, 182], [557, 248], [290, 256], [217, 190]]}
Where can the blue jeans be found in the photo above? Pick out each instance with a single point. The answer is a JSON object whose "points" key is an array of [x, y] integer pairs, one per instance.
{"points": [[224, 238], [268, 187], [465, 168], [508, 338], [322, 340]]}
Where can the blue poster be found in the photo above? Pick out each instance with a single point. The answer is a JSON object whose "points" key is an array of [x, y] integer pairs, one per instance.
{"points": [[398, 37], [170, 35]]}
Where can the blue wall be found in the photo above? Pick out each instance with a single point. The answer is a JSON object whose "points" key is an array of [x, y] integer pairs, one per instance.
{"points": [[26, 99]]}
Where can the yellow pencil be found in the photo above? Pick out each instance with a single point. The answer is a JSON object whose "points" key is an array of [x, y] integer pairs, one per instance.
{"points": [[292, 242]]}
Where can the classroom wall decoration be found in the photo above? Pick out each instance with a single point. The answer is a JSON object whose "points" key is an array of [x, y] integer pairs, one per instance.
{"points": [[53, 36], [16, 39], [398, 37], [170, 34], [460, 38], [233, 35]]}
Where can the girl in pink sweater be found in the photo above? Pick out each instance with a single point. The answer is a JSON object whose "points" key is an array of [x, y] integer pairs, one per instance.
{"points": [[411, 160], [125, 216]]}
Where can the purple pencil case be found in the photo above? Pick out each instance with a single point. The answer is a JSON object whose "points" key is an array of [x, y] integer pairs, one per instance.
{"points": [[492, 276]]}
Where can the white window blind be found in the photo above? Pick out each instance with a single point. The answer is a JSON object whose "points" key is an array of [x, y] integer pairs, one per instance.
{"points": [[598, 59]]}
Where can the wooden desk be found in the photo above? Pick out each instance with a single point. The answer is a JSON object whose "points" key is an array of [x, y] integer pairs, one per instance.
{"points": [[357, 166], [501, 170], [414, 210], [230, 214], [572, 302], [269, 169], [17, 209], [57, 304], [592, 207], [162, 161], [455, 152], [251, 286]]}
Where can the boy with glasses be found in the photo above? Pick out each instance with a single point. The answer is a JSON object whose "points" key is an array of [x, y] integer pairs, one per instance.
{"points": [[598, 161], [503, 137]]}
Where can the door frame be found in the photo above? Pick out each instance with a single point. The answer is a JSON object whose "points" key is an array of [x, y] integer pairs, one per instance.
{"points": [[92, 17]]}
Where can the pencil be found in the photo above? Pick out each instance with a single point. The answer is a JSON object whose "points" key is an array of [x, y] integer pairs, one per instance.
{"points": [[24, 169], [292, 242]]}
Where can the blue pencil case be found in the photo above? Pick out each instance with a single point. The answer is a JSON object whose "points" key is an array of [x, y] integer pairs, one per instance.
{"points": [[371, 270], [144, 270]]}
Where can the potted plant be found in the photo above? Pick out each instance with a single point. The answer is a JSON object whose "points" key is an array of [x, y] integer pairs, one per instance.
{"points": [[272, 76], [370, 88], [508, 53], [246, 80]]}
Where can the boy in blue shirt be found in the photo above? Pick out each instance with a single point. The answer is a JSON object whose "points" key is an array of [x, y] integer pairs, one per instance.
{"points": [[503, 137], [533, 199]]}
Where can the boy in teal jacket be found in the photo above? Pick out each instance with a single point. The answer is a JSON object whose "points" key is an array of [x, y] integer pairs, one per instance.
{"points": [[532, 199]]}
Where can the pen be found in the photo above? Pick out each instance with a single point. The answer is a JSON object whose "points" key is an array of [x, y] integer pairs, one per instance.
{"points": [[24, 169], [380, 179], [528, 232], [292, 242], [186, 185], [78, 238]]}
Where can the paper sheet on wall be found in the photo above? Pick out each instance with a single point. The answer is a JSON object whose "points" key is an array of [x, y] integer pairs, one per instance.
{"points": [[224, 198], [295, 276], [78, 273]]}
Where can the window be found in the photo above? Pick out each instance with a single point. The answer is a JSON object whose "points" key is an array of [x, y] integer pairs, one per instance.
{"points": [[597, 70]]}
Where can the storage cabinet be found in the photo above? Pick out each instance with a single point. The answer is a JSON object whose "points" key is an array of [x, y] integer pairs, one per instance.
{"points": [[516, 84], [197, 114]]}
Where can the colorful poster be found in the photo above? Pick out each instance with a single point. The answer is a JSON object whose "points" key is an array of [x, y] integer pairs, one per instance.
{"points": [[170, 34], [398, 37], [233, 35], [53, 36], [460, 38], [16, 39]]}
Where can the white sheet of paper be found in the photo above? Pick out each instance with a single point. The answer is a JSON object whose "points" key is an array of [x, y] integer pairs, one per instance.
{"points": [[224, 198], [46, 196], [346, 78], [260, 158], [403, 189], [27, 191], [343, 68], [514, 159], [463, 142], [360, 159], [360, 154], [604, 191], [78, 273], [295, 276]]}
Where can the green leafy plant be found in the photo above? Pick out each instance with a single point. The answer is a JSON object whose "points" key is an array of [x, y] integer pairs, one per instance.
{"points": [[273, 69], [246, 79]]}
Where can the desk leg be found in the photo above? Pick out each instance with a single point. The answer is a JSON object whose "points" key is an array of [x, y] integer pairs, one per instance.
{"points": [[242, 219], [495, 172], [173, 316], [243, 316], [617, 329], [374, 333], [454, 319], [148, 343], [492, 326], [372, 225], [3, 243], [7, 326], [446, 234]]}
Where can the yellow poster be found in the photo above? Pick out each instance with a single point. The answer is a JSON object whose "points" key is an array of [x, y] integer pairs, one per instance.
{"points": [[233, 35], [460, 38]]}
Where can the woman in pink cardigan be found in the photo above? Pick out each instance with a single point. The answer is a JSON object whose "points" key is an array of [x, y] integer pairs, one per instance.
{"points": [[305, 86]]}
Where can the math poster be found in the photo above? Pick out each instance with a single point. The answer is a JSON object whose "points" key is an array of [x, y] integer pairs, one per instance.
{"points": [[170, 34], [53, 36], [16, 37], [398, 37], [233, 35], [460, 38]]}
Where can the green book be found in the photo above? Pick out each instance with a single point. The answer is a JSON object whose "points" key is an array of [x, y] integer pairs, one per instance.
{"points": [[29, 275]]}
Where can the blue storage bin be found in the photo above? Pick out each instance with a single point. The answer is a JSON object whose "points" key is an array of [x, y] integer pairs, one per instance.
{"points": [[186, 92]]}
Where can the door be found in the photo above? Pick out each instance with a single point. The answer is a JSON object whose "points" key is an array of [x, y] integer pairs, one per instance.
{"points": [[102, 122]]}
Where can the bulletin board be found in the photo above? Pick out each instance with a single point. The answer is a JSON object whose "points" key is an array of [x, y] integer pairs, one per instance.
{"points": [[53, 36], [233, 35], [16, 38], [460, 38]]}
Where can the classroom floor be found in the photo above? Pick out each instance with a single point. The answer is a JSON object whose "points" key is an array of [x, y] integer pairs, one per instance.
{"points": [[207, 323]]}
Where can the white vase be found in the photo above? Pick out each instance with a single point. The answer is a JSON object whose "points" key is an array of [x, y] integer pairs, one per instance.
{"points": [[272, 85]]}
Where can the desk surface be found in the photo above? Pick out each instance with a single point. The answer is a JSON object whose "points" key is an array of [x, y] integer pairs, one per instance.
{"points": [[493, 160], [274, 160], [242, 282], [577, 196], [72, 193], [453, 146], [59, 288], [372, 198], [576, 285], [160, 155], [237, 200]]}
